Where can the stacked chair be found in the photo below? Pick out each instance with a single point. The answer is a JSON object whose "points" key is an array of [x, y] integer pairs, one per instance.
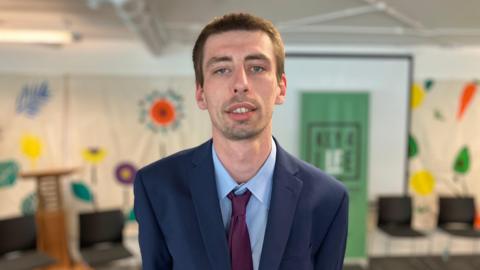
{"points": [[395, 218], [101, 237], [18, 242], [456, 217]]}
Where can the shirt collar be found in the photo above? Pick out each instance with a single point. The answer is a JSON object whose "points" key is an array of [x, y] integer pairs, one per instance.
{"points": [[259, 185]]}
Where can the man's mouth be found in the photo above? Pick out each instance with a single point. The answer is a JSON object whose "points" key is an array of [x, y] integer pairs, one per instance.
{"points": [[241, 110]]}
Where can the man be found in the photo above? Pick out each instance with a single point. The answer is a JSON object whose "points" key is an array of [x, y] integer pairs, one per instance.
{"points": [[239, 201]]}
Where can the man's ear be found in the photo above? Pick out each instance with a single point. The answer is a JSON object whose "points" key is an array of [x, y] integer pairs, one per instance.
{"points": [[282, 90], [200, 97]]}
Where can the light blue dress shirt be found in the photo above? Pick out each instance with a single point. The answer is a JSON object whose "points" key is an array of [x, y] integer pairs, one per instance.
{"points": [[257, 209]]}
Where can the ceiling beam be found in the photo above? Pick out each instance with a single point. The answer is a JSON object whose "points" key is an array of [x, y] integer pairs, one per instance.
{"points": [[331, 16]]}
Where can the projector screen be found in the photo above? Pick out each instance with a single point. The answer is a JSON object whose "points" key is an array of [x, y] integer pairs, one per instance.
{"points": [[387, 79]]}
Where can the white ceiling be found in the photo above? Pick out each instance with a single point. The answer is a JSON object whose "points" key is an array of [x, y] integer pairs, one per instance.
{"points": [[324, 22]]}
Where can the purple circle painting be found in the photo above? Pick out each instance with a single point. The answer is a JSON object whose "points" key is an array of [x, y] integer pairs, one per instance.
{"points": [[125, 173]]}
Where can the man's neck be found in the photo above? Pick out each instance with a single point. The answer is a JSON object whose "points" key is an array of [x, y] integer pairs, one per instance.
{"points": [[243, 158]]}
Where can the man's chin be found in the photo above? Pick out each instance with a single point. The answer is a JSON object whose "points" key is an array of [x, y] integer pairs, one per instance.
{"points": [[242, 134]]}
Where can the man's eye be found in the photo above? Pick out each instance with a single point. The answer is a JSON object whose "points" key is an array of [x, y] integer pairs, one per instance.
{"points": [[257, 69], [221, 71]]}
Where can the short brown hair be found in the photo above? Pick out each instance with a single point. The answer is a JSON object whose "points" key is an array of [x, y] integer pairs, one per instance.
{"points": [[238, 21]]}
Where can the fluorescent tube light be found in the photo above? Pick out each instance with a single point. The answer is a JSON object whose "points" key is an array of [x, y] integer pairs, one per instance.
{"points": [[36, 36]]}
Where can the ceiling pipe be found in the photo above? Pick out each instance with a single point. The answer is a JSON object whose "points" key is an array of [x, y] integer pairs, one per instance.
{"points": [[341, 14], [139, 17]]}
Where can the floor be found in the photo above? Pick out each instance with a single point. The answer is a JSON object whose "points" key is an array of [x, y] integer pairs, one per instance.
{"points": [[461, 262], [436, 251]]}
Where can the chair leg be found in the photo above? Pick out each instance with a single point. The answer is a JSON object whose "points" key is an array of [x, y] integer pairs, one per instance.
{"points": [[446, 251], [429, 239], [474, 245], [387, 245]]}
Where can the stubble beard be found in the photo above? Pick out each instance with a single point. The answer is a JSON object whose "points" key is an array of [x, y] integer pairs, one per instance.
{"points": [[243, 130]]}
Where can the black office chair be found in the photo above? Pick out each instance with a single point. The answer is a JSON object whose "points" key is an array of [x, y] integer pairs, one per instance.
{"points": [[456, 217], [395, 218], [18, 242], [101, 237]]}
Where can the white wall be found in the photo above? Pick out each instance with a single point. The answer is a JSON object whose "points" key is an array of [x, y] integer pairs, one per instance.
{"points": [[128, 57], [107, 57], [445, 63]]}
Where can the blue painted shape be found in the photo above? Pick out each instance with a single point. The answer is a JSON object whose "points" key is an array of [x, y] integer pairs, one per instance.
{"points": [[32, 98]]}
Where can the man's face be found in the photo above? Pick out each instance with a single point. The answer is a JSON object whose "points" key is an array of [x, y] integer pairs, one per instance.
{"points": [[240, 85]]}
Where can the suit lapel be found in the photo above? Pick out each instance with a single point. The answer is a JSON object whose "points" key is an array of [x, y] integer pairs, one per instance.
{"points": [[205, 199], [286, 189]]}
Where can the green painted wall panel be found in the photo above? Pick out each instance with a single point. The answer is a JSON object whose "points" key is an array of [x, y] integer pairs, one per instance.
{"points": [[334, 138]]}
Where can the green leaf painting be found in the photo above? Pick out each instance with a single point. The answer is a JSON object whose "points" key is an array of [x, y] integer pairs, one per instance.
{"points": [[428, 84], [8, 173], [81, 191], [422, 209], [412, 147], [438, 115], [131, 216], [462, 162], [29, 204]]}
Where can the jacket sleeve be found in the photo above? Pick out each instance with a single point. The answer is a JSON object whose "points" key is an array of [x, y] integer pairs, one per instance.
{"points": [[332, 250], [155, 254]]}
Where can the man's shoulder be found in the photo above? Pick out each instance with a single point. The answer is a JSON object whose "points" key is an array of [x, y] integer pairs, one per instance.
{"points": [[176, 161]]}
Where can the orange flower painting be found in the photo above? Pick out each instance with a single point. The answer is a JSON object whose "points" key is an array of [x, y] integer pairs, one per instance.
{"points": [[161, 111]]}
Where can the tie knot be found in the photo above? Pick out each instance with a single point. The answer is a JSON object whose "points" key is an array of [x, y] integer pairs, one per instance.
{"points": [[239, 202]]}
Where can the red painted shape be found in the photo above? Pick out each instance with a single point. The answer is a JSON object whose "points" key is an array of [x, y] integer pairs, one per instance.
{"points": [[467, 96]]}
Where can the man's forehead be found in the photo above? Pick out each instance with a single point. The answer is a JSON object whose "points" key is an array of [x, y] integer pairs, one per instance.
{"points": [[247, 42]]}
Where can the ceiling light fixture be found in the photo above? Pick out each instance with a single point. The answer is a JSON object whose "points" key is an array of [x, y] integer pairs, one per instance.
{"points": [[48, 37]]}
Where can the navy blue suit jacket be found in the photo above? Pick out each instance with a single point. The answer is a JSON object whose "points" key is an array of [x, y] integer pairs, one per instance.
{"points": [[180, 222]]}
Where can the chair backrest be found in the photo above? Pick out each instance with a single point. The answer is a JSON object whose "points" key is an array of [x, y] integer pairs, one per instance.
{"points": [[18, 234], [101, 227], [394, 211], [456, 210]]}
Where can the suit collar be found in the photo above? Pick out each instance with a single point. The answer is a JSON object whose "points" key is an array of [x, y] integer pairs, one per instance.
{"points": [[207, 208], [285, 194]]}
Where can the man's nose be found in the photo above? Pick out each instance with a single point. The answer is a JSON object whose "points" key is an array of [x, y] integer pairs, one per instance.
{"points": [[240, 84]]}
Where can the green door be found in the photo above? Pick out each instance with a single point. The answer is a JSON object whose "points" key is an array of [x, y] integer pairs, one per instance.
{"points": [[334, 138]]}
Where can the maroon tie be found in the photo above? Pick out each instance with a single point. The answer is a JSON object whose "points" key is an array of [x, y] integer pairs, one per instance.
{"points": [[238, 239]]}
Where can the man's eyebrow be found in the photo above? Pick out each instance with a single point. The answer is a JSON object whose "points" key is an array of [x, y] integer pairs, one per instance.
{"points": [[257, 56], [217, 59]]}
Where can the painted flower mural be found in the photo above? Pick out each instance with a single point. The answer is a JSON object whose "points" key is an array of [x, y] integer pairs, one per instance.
{"points": [[130, 217], [94, 156], [125, 173], [417, 95], [412, 147], [466, 98], [422, 183], [29, 204], [81, 191], [161, 111], [32, 98], [32, 147], [8, 173]]}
